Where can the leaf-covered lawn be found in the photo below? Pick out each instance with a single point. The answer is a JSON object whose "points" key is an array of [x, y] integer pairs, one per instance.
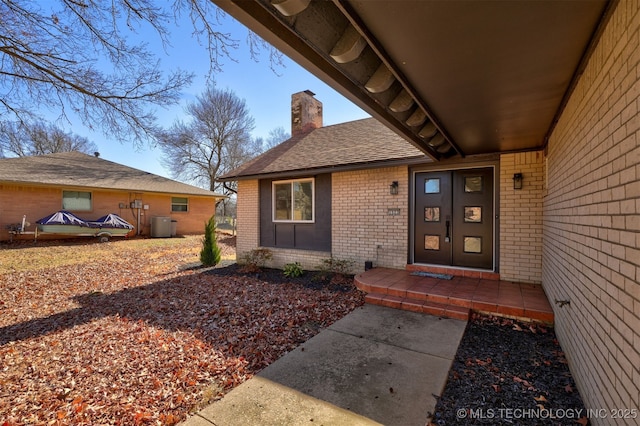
{"points": [[123, 333]]}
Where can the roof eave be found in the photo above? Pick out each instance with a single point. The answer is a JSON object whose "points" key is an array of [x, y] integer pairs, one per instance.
{"points": [[331, 169], [104, 188]]}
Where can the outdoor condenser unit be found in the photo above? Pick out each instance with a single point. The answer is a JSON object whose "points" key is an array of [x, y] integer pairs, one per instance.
{"points": [[160, 227]]}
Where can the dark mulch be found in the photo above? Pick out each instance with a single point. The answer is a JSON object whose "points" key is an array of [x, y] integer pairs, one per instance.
{"points": [[315, 280], [509, 373]]}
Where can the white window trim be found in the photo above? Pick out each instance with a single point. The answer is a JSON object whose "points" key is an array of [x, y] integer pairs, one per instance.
{"points": [[292, 181]]}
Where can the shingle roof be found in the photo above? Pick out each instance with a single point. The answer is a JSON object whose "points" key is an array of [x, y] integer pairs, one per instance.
{"points": [[77, 169], [356, 143]]}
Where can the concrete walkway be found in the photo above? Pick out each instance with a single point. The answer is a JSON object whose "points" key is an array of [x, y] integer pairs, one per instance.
{"points": [[377, 365]]}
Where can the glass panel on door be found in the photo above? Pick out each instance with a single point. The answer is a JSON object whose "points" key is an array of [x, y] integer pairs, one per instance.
{"points": [[453, 218], [433, 218]]}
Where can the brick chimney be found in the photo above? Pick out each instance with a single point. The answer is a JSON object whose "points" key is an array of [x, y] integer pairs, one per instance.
{"points": [[306, 112]]}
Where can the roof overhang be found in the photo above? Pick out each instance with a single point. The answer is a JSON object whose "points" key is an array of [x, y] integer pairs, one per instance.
{"points": [[85, 187], [455, 78], [296, 173]]}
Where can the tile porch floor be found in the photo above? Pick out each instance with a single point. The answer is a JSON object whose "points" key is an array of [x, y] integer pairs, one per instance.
{"points": [[455, 298]]}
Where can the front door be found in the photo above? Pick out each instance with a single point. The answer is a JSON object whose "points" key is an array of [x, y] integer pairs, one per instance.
{"points": [[454, 218]]}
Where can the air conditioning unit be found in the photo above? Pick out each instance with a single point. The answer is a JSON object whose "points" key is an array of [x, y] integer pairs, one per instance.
{"points": [[161, 227]]}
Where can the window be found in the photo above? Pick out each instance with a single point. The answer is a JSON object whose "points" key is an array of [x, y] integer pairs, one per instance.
{"points": [[473, 214], [293, 201], [432, 242], [472, 245], [432, 214], [76, 200], [432, 186], [473, 184], [179, 204]]}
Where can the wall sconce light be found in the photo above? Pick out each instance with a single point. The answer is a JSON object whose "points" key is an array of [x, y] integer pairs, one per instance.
{"points": [[517, 181], [393, 188]]}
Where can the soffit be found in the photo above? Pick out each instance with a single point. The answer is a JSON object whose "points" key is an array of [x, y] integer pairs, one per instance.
{"points": [[478, 76]]}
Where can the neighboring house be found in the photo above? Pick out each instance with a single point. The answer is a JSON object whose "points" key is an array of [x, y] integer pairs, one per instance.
{"points": [[541, 97], [91, 187]]}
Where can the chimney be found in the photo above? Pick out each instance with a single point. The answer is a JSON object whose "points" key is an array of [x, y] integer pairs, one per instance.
{"points": [[306, 112]]}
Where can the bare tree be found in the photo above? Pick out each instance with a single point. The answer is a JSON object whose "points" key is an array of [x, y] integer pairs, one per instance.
{"points": [[77, 55], [215, 141], [20, 139], [227, 207], [276, 136]]}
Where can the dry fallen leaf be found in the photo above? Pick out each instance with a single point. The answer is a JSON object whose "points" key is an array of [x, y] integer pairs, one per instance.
{"points": [[483, 362], [130, 337]]}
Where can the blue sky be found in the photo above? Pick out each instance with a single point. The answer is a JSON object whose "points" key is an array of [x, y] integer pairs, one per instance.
{"points": [[267, 95]]}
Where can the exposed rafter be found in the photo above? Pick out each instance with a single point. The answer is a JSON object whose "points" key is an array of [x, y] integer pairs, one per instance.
{"points": [[453, 78], [386, 68], [336, 39]]}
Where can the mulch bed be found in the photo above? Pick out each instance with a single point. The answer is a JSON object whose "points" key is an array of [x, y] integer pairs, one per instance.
{"points": [[316, 280], [508, 372]]}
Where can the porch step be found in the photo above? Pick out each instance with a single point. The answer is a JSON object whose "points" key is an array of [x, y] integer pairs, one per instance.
{"points": [[416, 305], [454, 298]]}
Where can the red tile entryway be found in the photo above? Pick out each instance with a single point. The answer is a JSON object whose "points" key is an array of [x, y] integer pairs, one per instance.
{"points": [[457, 297]]}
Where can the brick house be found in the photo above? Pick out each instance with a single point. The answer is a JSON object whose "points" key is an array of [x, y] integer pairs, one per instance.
{"points": [[298, 199], [91, 187], [542, 96], [368, 201]]}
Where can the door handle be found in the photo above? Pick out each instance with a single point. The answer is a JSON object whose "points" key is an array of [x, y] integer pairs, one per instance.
{"points": [[447, 238]]}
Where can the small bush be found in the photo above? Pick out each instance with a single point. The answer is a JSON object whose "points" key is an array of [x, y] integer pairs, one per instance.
{"points": [[210, 254], [255, 260], [338, 271], [293, 270], [336, 266]]}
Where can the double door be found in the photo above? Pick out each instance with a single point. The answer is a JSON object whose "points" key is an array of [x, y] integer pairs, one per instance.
{"points": [[454, 218]]}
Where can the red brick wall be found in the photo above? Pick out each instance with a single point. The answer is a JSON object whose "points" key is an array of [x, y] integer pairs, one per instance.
{"points": [[37, 202]]}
